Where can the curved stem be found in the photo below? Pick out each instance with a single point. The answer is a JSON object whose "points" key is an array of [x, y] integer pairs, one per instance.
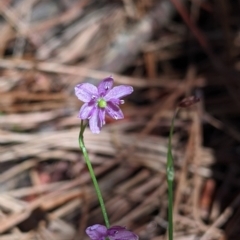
{"points": [[92, 174]]}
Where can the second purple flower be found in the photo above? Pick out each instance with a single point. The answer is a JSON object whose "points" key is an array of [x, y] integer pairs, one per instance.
{"points": [[101, 100], [100, 232]]}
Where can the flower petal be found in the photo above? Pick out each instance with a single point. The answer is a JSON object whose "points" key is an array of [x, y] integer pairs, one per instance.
{"points": [[97, 232], [120, 233], [101, 115], [105, 86], [87, 110], [86, 92], [114, 111], [118, 92], [95, 122]]}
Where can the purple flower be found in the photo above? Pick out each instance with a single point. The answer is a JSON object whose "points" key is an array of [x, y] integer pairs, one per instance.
{"points": [[97, 232], [100, 232], [101, 100]]}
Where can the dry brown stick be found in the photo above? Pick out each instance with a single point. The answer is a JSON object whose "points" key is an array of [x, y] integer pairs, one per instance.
{"points": [[26, 191], [55, 43], [19, 168], [66, 208], [234, 133], [7, 137], [85, 212], [68, 140], [232, 226], [168, 103], [223, 11], [24, 108], [22, 7], [75, 50], [60, 198], [12, 18], [184, 170], [129, 8], [6, 33], [81, 71], [44, 233], [195, 10], [223, 218], [151, 65], [208, 210], [4, 4], [149, 203], [31, 119], [126, 47], [140, 177], [198, 181], [27, 96], [63, 18], [14, 219], [141, 192], [19, 236], [20, 42], [196, 160], [190, 77], [118, 202]]}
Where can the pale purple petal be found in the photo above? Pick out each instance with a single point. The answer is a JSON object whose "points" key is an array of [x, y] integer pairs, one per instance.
{"points": [[105, 86], [114, 111], [118, 92], [94, 122], [86, 92], [101, 115], [97, 232], [117, 101], [120, 233], [87, 110]]}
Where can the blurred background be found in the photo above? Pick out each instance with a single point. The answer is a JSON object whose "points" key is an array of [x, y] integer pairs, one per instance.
{"points": [[166, 50]]}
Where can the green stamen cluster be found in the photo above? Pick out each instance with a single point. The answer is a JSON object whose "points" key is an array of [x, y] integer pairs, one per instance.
{"points": [[102, 103]]}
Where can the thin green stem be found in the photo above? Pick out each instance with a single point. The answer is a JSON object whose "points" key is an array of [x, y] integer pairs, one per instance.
{"points": [[170, 179], [92, 174]]}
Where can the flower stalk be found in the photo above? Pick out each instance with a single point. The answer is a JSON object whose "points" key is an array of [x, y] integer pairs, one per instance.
{"points": [[92, 174], [98, 102], [185, 103]]}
